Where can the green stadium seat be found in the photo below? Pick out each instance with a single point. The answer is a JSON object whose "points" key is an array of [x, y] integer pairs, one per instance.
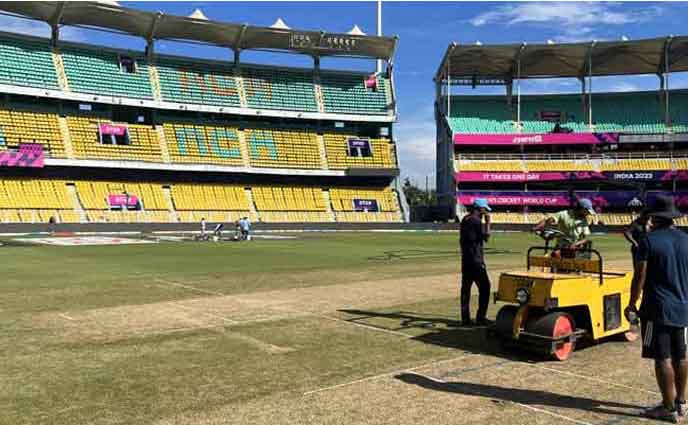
{"points": [[347, 93], [27, 62]]}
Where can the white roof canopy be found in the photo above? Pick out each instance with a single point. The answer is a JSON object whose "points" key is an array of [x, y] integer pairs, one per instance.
{"points": [[601, 58], [151, 26]]}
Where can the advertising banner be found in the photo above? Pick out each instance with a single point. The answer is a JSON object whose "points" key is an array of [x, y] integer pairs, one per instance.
{"points": [[28, 155], [605, 199], [365, 205], [496, 176], [536, 139], [120, 200], [111, 129]]}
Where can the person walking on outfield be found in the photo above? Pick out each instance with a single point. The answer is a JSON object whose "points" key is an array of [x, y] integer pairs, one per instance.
{"points": [[636, 232], [661, 274], [473, 234]]}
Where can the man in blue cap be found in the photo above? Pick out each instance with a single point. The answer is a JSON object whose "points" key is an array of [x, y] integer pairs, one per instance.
{"points": [[473, 234], [572, 223]]}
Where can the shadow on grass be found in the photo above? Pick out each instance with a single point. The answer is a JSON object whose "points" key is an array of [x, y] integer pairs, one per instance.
{"points": [[446, 332], [520, 396], [409, 254]]}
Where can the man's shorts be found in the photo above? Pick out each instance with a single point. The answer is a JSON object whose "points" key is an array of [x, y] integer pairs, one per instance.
{"points": [[661, 342]]}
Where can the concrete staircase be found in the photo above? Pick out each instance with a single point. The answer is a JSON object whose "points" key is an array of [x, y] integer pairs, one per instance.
{"points": [[66, 137], [328, 204], [243, 148], [167, 194], [253, 213], [60, 71], [74, 197], [155, 82], [239, 82], [318, 92], [164, 151], [322, 151]]}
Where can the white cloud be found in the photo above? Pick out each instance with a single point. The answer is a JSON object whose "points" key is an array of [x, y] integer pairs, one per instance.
{"points": [[38, 29], [415, 141], [575, 21]]}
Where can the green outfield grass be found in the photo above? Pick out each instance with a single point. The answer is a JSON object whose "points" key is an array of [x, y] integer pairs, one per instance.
{"points": [[172, 332]]}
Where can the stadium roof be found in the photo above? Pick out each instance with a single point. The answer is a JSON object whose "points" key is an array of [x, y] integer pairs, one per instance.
{"points": [[565, 60], [150, 25]]}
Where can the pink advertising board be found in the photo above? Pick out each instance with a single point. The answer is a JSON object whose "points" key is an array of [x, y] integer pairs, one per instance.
{"points": [[118, 200], [536, 139], [28, 155], [518, 199], [116, 130], [482, 176]]}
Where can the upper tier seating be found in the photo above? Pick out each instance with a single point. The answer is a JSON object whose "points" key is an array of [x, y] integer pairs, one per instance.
{"points": [[193, 81], [639, 112], [282, 148], [17, 127], [347, 93], [490, 165], [27, 62], [98, 71], [338, 158], [279, 88], [143, 141], [203, 144]]}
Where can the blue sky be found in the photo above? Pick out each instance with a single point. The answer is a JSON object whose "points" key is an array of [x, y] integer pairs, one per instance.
{"points": [[425, 30]]}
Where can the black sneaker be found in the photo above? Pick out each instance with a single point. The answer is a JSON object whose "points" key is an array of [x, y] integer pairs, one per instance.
{"points": [[661, 413], [681, 408]]}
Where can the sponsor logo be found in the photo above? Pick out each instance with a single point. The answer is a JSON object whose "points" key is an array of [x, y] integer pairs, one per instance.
{"points": [[527, 140]]}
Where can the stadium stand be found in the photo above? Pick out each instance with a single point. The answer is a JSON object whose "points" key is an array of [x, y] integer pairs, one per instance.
{"points": [[214, 202], [279, 88], [141, 143], [282, 148], [343, 204], [382, 153], [24, 126], [203, 143], [27, 61], [347, 93], [637, 141], [28, 200], [290, 204], [158, 114], [186, 80], [106, 72], [635, 112]]}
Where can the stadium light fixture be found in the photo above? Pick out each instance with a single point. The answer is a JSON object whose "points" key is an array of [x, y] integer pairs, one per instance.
{"points": [[280, 25], [624, 38], [478, 43], [550, 42]]}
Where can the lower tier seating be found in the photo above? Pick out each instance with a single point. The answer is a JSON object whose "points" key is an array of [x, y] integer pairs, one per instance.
{"points": [[26, 200]]}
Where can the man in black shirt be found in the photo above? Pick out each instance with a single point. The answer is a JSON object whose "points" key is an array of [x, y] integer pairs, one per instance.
{"points": [[473, 234], [636, 232], [661, 274]]}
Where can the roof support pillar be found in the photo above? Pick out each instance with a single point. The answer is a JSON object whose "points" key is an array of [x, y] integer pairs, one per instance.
{"points": [[665, 82], [316, 63], [150, 39], [584, 100], [518, 94], [448, 94], [54, 35], [237, 57]]}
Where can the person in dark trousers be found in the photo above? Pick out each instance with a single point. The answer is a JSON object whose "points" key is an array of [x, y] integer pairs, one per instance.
{"points": [[473, 234], [661, 275], [636, 232]]}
